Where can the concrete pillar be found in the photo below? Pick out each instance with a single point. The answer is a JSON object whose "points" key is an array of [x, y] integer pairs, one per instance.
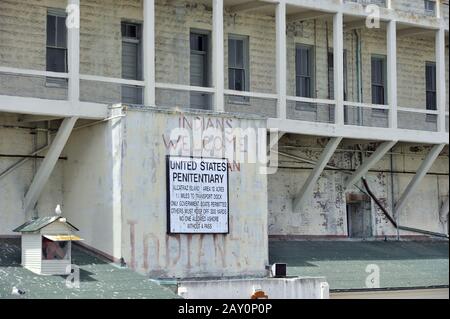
{"points": [[281, 57], [440, 79], [73, 49], [338, 53], [149, 53], [218, 56], [392, 72]]}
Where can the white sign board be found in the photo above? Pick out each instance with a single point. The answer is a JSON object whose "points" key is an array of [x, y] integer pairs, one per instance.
{"points": [[197, 195]]}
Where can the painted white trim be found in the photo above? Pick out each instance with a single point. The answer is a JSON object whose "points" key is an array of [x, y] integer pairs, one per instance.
{"points": [[357, 132], [57, 108], [367, 105], [87, 77], [182, 87], [311, 100], [252, 94], [4, 69], [414, 110]]}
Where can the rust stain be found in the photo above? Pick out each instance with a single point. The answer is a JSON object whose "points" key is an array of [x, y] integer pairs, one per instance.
{"points": [[132, 225]]}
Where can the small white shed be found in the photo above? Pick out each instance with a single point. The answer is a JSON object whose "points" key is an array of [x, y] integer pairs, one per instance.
{"points": [[47, 245]]}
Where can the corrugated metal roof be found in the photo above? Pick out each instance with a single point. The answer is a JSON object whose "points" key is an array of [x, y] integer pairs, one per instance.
{"points": [[39, 223]]}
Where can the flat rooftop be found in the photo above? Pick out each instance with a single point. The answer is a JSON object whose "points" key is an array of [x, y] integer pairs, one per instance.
{"points": [[402, 264], [99, 279]]}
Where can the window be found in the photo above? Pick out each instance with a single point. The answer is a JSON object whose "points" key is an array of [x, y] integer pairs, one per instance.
{"points": [[304, 76], [56, 46], [55, 250], [430, 6], [379, 95], [430, 79], [238, 65], [131, 62], [199, 68], [304, 71]]}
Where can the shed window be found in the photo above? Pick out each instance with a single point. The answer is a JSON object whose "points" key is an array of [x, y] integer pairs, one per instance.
{"points": [[56, 45], [55, 250]]}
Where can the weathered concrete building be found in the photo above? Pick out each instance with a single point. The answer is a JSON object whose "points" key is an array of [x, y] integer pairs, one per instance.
{"points": [[88, 110]]}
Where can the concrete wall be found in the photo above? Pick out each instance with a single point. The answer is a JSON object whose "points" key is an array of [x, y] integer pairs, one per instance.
{"points": [[114, 191], [325, 213], [13, 186], [147, 247], [273, 288]]}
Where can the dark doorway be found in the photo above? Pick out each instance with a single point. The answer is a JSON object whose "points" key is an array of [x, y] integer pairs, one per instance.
{"points": [[359, 216]]}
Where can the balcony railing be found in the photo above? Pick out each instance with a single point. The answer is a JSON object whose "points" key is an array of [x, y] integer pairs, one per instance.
{"points": [[110, 89]]}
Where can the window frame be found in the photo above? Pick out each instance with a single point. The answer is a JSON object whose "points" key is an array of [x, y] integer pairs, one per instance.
{"points": [[245, 68], [49, 81], [139, 63], [379, 112], [302, 106]]}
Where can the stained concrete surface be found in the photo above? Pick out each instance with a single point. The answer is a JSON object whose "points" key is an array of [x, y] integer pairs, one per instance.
{"points": [[98, 279], [343, 263]]}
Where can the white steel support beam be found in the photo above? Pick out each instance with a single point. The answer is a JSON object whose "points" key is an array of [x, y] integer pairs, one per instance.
{"points": [[370, 162], [48, 164], [338, 54], [308, 187], [149, 53], [218, 56], [421, 172], [281, 56], [73, 50], [392, 72], [440, 79]]}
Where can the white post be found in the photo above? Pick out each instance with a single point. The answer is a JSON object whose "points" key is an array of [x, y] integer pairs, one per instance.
{"points": [[392, 72], [440, 79], [73, 49], [49, 162], [281, 57], [149, 53], [218, 56], [389, 4], [338, 55]]}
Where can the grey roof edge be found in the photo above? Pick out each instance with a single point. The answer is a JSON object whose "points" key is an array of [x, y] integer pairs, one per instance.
{"points": [[35, 225]]}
